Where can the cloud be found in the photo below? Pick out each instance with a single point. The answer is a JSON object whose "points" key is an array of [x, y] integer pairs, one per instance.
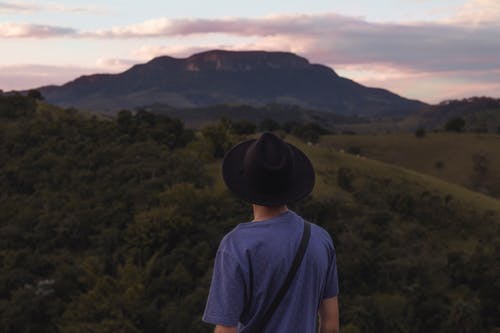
{"points": [[22, 77], [9, 7], [21, 7], [20, 30], [431, 87], [115, 64], [72, 9], [477, 12], [268, 26], [329, 38], [147, 52]]}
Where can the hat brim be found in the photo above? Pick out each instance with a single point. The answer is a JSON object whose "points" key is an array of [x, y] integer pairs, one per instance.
{"points": [[302, 179]]}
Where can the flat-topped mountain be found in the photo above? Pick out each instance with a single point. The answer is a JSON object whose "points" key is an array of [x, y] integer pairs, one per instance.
{"points": [[244, 61], [228, 77]]}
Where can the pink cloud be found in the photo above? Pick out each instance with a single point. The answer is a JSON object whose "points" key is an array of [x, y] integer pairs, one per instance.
{"points": [[20, 7], [115, 64], [267, 26], [433, 87], [29, 76], [329, 38], [20, 30], [477, 12], [10, 7]]}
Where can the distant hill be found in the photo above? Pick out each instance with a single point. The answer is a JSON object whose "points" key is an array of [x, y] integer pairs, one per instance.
{"points": [[210, 78], [481, 114]]}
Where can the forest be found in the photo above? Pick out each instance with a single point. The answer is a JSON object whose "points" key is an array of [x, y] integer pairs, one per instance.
{"points": [[112, 225]]}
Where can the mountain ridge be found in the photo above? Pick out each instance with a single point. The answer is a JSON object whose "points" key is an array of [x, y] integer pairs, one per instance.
{"points": [[229, 77]]}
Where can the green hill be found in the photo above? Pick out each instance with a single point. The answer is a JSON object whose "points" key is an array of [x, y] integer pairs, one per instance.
{"points": [[111, 225], [467, 159]]}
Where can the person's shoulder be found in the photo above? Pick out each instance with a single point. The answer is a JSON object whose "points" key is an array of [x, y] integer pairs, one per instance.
{"points": [[320, 230], [231, 236], [232, 241], [320, 233]]}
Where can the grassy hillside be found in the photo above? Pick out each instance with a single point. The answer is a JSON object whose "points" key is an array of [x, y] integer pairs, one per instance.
{"points": [[469, 159], [112, 226]]}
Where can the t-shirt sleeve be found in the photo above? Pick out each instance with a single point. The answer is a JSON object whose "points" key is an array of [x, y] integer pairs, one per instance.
{"points": [[332, 282], [226, 297]]}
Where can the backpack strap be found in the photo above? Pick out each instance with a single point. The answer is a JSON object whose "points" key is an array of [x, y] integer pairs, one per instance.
{"points": [[266, 316]]}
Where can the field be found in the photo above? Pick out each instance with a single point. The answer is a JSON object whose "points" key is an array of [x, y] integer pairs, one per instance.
{"points": [[469, 159]]}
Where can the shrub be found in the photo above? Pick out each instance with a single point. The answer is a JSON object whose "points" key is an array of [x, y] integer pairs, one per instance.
{"points": [[35, 94], [269, 124], [355, 150], [345, 177], [420, 132], [439, 165], [243, 127], [456, 124]]}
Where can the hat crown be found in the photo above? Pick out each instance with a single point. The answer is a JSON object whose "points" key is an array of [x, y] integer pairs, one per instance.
{"points": [[268, 164], [270, 151]]}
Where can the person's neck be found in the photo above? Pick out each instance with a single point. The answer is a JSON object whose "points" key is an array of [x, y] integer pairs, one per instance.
{"points": [[261, 213]]}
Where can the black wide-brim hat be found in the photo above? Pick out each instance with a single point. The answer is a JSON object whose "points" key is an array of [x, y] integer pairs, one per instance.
{"points": [[268, 171]]}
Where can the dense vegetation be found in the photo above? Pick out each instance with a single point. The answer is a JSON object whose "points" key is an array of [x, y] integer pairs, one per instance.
{"points": [[112, 226], [197, 117]]}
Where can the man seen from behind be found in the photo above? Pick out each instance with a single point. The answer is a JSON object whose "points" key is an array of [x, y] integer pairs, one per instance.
{"points": [[276, 273]]}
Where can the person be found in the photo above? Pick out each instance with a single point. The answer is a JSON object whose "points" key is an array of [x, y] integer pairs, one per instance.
{"points": [[253, 260]]}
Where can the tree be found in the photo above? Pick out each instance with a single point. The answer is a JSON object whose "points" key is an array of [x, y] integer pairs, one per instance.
{"points": [[244, 127], [354, 150], [455, 124], [269, 124], [219, 136], [309, 132], [420, 132], [36, 95], [439, 165], [345, 177], [125, 122], [480, 170], [16, 106]]}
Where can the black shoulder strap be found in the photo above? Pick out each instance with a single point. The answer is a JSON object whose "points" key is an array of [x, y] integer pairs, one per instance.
{"points": [[284, 288]]}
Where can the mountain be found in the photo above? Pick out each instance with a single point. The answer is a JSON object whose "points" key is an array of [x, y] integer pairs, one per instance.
{"points": [[229, 77]]}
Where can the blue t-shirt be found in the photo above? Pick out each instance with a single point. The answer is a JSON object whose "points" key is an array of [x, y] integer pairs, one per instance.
{"points": [[251, 265]]}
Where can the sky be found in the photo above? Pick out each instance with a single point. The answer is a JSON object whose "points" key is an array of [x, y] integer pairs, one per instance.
{"points": [[431, 50]]}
